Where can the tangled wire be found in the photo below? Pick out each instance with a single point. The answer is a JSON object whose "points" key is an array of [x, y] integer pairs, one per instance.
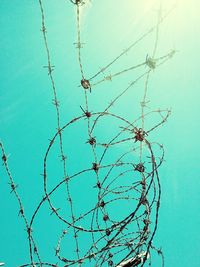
{"points": [[116, 223]]}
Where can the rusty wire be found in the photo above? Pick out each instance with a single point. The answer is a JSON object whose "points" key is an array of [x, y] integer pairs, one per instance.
{"points": [[132, 177]]}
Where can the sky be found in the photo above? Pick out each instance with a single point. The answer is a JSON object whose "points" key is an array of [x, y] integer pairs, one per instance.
{"points": [[28, 120]]}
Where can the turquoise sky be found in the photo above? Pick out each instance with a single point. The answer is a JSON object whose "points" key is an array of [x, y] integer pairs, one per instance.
{"points": [[28, 120]]}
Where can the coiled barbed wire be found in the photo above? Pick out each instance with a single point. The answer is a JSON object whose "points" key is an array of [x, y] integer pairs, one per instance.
{"points": [[121, 169]]}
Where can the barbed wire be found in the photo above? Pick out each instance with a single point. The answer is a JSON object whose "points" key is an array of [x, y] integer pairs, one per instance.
{"points": [[106, 232]]}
